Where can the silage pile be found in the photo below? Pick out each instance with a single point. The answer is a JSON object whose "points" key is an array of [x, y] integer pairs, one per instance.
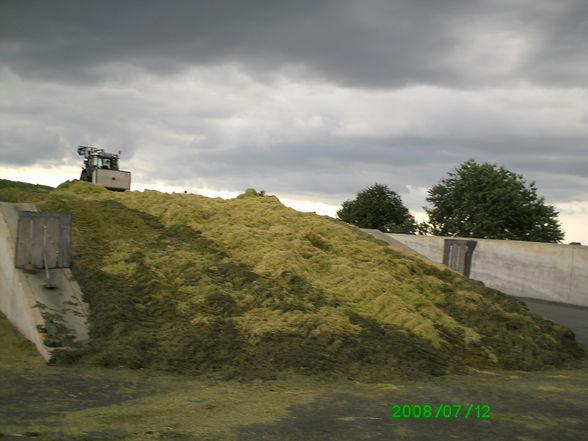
{"points": [[249, 287]]}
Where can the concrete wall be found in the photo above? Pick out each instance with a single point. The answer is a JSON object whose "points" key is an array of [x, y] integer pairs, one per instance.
{"points": [[16, 300], [20, 292], [553, 272]]}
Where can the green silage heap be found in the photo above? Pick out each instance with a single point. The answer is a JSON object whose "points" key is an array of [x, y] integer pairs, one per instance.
{"points": [[248, 287]]}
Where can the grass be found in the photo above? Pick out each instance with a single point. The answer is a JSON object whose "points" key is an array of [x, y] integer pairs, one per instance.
{"points": [[247, 288]]}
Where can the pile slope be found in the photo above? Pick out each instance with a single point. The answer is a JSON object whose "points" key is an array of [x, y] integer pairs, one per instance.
{"points": [[249, 287]]}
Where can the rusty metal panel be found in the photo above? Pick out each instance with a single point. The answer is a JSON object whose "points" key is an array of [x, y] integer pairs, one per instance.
{"points": [[43, 234], [457, 254]]}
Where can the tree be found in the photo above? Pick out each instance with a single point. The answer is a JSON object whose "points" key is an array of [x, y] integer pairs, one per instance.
{"points": [[380, 208], [487, 201]]}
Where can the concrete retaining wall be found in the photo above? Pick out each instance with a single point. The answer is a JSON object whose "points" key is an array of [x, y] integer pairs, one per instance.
{"points": [[553, 272], [16, 300], [20, 292]]}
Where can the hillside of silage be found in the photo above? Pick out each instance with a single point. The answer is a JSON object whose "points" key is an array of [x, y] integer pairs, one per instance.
{"points": [[249, 287]]}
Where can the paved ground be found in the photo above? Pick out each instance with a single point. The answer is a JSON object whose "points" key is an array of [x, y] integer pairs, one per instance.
{"points": [[50, 403], [59, 404], [574, 317]]}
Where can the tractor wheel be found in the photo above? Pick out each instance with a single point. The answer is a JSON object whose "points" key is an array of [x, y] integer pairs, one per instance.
{"points": [[84, 176]]}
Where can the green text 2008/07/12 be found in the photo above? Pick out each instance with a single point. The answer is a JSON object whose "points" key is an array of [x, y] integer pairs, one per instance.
{"points": [[443, 410]]}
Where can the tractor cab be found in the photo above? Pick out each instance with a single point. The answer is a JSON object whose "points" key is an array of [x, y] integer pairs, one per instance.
{"points": [[105, 161]]}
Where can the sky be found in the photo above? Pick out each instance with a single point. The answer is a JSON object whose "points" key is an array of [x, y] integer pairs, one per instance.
{"points": [[312, 101]]}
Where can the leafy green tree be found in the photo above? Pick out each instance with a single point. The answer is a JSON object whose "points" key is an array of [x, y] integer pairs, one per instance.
{"points": [[380, 208], [487, 201]]}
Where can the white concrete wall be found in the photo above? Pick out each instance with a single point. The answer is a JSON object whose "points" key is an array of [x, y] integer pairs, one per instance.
{"points": [[16, 300], [553, 272], [20, 292], [428, 246]]}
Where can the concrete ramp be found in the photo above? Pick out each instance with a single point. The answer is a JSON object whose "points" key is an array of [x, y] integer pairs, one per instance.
{"points": [[50, 318]]}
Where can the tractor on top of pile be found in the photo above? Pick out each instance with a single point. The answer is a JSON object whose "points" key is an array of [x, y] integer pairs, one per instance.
{"points": [[101, 168]]}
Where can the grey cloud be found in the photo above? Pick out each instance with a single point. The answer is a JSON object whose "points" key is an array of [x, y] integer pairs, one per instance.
{"points": [[22, 147], [87, 68], [346, 167], [373, 43], [560, 52], [71, 40]]}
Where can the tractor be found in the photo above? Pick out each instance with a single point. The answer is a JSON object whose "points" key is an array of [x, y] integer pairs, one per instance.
{"points": [[101, 168]]}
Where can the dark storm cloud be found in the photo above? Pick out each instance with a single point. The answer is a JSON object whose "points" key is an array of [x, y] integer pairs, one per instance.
{"points": [[72, 40], [372, 43], [559, 54]]}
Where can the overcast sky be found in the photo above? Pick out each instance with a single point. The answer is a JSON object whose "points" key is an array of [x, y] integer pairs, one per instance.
{"points": [[310, 100]]}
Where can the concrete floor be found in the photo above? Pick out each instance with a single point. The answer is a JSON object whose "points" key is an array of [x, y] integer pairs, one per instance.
{"points": [[574, 317]]}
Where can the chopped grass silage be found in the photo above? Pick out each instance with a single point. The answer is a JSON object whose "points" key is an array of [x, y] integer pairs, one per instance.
{"points": [[249, 287]]}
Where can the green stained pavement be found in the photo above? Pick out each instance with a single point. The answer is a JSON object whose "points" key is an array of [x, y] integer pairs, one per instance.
{"points": [[40, 402]]}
